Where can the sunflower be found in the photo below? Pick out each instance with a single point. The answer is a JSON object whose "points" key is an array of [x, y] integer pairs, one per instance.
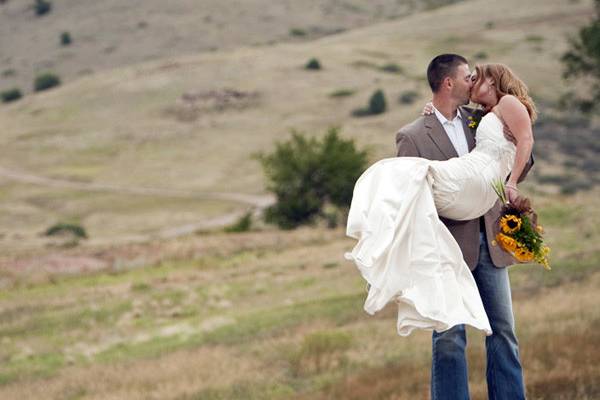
{"points": [[506, 242], [523, 254], [510, 223]]}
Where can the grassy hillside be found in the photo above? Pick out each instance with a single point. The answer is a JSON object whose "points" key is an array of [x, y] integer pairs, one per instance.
{"points": [[111, 33], [191, 124]]}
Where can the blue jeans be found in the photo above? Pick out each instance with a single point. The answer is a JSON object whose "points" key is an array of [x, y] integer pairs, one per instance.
{"points": [[504, 373]]}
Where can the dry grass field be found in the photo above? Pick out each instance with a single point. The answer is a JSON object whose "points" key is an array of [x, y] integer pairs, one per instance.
{"points": [[139, 153], [276, 315]]}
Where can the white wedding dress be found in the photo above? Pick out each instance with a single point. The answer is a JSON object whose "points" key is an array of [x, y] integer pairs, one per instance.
{"points": [[405, 253]]}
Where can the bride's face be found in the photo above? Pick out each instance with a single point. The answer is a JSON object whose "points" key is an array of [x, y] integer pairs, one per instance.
{"points": [[483, 91]]}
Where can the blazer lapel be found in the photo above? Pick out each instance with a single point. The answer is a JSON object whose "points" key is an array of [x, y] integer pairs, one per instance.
{"points": [[438, 135], [469, 132]]}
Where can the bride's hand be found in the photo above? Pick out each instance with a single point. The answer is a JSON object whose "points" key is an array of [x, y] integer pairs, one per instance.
{"points": [[428, 109], [512, 193]]}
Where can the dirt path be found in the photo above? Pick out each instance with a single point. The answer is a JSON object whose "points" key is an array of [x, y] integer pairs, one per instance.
{"points": [[256, 203], [61, 261]]}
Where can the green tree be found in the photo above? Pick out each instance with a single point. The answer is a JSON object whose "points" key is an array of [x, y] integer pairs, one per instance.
{"points": [[582, 60], [341, 165], [305, 174]]}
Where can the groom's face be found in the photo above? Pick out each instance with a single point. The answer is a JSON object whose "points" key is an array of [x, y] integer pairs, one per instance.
{"points": [[462, 84]]}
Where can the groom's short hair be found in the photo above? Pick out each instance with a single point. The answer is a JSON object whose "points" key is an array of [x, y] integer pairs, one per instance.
{"points": [[441, 67]]}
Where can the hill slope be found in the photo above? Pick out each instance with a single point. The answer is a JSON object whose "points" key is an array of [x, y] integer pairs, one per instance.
{"points": [[192, 123], [111, 33]]}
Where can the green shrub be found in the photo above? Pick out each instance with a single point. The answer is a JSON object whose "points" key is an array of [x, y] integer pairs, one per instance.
{"points": [[65, 38], [342, 93], [297, 32], [408, 96], [534, 38], [392, 68], [62, 228], [243, 224], [340, 166], [361, 112], [480, 55], [46, 81], [11, 95], [42, 7], [377, 105], [305, 174], [291, 174], [313, 64], [9, 72], [292, 211]]}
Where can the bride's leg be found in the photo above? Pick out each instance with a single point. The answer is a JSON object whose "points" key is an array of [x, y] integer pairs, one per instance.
{"points": [[449, 379], [504, 371]]}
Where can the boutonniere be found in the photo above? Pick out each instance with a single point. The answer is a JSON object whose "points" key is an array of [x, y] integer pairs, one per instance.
{"points": [[473, 121]]}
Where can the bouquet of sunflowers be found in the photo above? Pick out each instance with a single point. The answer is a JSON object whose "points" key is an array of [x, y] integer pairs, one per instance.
{"points": [[520, 235]]}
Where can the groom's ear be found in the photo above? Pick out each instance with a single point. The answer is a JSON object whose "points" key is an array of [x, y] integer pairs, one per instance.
{"points": [[446, 83]]}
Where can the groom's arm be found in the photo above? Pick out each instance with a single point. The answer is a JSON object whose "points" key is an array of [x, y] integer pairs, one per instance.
{"points": [[526, 168]]}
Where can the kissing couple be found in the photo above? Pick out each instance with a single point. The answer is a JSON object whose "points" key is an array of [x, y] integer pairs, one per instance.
{"points": [[425, 222]]}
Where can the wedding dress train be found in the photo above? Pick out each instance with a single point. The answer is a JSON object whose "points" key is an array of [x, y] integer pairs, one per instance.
{"points": [[405, 253]]}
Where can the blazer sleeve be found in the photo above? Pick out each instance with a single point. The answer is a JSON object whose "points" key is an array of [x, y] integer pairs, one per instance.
{"points": [[405, 145], [527, 168]]}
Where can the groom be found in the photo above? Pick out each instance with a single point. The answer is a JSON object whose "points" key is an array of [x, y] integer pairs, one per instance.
{"points": [[442, 135]]}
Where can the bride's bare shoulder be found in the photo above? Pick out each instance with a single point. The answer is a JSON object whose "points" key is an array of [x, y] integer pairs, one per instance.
{"points": [[513, 113], [511, 104]]}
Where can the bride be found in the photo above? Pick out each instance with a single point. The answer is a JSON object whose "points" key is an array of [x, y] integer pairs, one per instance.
{"points": [[404, 251]]}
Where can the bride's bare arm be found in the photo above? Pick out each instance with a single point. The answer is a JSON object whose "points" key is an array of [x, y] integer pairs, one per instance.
{"points": [[518, 121], [427, 108]]}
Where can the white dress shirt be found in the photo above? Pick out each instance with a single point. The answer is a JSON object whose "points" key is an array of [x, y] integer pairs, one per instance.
{"points": [[454, 130]]}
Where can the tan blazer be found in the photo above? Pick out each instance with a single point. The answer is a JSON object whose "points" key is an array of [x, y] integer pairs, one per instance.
{"points": [[425, 137]]}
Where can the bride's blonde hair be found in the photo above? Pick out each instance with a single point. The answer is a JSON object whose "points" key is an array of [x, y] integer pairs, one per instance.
{"points": [[506, 82]]}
